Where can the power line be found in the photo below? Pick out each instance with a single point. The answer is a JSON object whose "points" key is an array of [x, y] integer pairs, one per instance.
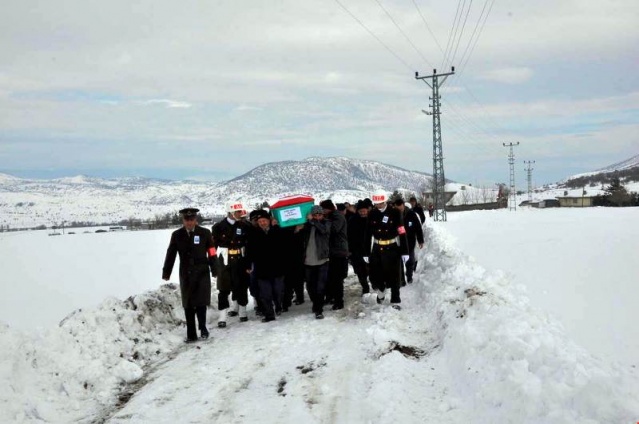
{"points": [[472, 36], [403, 33], [463, 65], [450, 34], [374, 36], [427, 26], [461, 34]]}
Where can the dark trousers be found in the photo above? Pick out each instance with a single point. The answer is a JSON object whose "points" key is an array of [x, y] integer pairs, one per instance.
{"points": [[294, 283], [271, 294], [361, 270], [316, 277], [190, 314], [385, 269], [254, 290], [337, 271]]}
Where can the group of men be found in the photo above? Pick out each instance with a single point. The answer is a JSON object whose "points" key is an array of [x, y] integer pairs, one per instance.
{"points": [[258, 257]]}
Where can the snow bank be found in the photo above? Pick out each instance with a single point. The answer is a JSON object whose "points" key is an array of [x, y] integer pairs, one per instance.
{"points": [[76, 371], [511, 361]]}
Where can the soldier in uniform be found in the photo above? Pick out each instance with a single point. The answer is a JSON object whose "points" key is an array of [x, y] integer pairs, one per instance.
{"points": [[197, 259], [386, 248], [229, 238]]}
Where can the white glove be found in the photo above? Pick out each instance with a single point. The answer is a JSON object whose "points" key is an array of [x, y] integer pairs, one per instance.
{"points": [[365, 259], [404, 259]]}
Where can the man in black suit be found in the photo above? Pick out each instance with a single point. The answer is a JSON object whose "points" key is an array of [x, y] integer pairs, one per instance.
{"points": [[194, 244]]}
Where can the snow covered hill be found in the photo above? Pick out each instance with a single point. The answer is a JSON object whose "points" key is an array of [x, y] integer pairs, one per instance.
{"points": [[633, 162], [28, 203], [466, 347]]}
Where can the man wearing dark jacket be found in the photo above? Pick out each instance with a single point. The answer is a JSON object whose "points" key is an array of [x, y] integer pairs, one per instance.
{"points": [[414, 236], [316, 233], [417, 208], [194, 244], [265, 250], [338, 253], [356, 244], [389, 248]]}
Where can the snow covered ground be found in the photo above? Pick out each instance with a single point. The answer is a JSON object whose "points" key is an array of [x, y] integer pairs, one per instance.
{"points": [[468, 346], [577, 264]]}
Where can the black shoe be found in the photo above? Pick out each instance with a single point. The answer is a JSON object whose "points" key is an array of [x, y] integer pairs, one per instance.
{"points": [[403, 283], [319, 316], [232, 313], [243, 319], [379, 301], [190, 340], [396, 306], [337, 307], [268, 319], [221, 324], [204, 334], [410, 281], [298, 302], [278, 312]]}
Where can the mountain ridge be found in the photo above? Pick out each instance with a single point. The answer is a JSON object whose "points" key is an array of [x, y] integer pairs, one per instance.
{"points": [[81, 198]]}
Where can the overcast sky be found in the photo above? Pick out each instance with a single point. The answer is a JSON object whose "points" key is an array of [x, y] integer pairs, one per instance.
{"points": [[211, 89]]}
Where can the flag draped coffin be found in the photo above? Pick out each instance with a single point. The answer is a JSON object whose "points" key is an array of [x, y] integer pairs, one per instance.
{"points": [[292, 210]]}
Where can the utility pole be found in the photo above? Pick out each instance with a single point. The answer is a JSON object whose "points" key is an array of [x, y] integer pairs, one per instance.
{"points": [[512, 202], [529, 171], [439, 180]]}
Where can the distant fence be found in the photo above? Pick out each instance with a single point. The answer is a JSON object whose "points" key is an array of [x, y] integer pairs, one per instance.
{"points": [[475, 207]]}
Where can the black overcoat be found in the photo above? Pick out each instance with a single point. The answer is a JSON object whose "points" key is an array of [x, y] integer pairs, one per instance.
{"points": [[414, 232], [266, 251], [195, 265], [357, 236]]}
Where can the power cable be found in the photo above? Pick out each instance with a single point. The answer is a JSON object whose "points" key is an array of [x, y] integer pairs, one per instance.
{"points": [[403, 33], [463, 65], [470, 42], [428, 27], [461, 34], [450, 34], [374, 36]]}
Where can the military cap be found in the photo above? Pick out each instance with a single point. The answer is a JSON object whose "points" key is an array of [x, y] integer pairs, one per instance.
{"points": [[189, 212]]}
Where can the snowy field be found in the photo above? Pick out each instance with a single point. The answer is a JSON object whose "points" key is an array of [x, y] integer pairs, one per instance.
{"points": [[576, 264], [468, 345], [44, 278]]}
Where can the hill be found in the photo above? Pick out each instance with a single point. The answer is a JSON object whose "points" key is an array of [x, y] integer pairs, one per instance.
{"points": [[627, 170], [30, 202]]}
